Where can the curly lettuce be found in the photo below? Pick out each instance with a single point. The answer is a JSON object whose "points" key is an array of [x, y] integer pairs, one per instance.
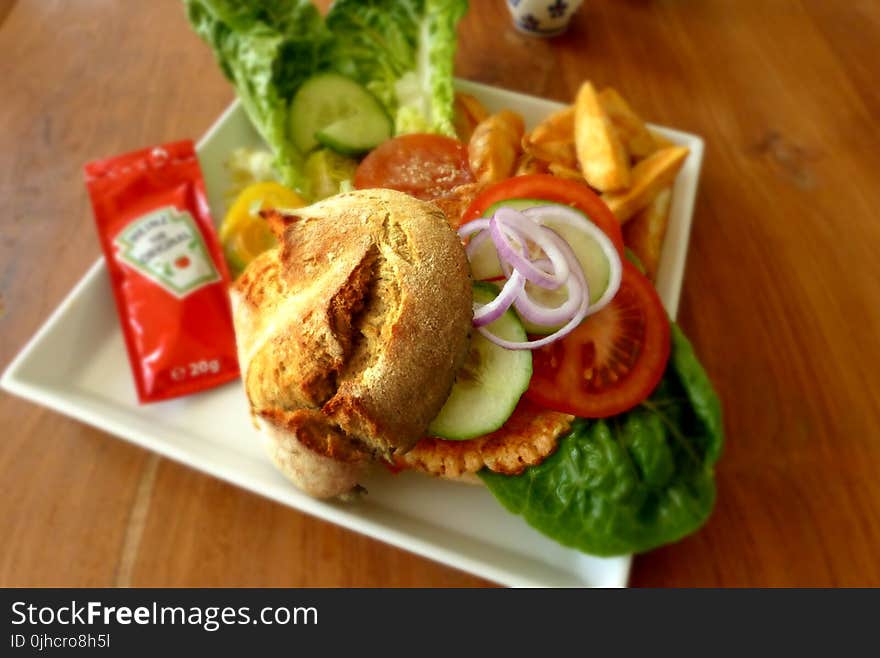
{"points": [[403, 51], [633, 482], [267, 49]]}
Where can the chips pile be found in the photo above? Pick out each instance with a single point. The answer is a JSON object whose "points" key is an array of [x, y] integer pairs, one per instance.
{"points": [[602, 141]]}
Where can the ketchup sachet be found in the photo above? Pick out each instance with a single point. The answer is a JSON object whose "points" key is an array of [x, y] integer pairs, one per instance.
{"points": [[166, 268]]}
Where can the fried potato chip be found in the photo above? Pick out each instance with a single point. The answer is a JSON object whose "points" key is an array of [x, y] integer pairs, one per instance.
{"points": [[557, 127], [645, 232], [559, 152], [552, 140], [529, 436], [528, 164], [630, 128], [468, 113], [650, 176], [601, 154], [562, 171], [454, 203], [495, 147], [661, 141]]}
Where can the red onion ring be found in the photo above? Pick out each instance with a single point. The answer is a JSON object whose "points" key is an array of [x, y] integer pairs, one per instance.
{"points": [[487, 313], [546, 340], [575, 220], [512, 232], [475, 242], [519, 260], [527, 230], [549, 316], [472, 227], [576, 319]]}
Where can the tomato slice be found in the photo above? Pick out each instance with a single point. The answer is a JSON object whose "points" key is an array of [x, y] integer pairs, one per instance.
{"points": [[612, 361], [549, 188], [425, 166]]}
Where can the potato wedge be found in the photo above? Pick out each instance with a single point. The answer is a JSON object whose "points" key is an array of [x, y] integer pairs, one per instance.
{"points": [[557, 127], [562, 171], [660, 140], [559, 152], [645, 232], [468, 113], [529, 164], [495, 147], [630, 128], [650, 176], [457, 201], [602, 156], [552, 140]]}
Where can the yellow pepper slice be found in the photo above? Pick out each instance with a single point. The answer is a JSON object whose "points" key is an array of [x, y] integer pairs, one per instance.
{"points": [[243, 233]]}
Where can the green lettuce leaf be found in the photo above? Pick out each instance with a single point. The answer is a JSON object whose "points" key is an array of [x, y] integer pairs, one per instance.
{"points": [[402, 51], [267, 49], [633, 482]]}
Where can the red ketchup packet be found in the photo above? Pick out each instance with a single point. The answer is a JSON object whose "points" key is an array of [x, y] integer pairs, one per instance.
{"points": [[166, 269]]}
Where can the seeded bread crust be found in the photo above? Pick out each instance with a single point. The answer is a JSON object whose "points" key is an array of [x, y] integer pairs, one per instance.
{"points": [[350, 333]]}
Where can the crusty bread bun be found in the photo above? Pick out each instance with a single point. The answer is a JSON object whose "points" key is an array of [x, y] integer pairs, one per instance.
{"points": [[350, 333]]}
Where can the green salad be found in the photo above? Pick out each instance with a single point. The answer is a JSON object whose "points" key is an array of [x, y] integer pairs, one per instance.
{"points": [[632, 482], [399, 52]]}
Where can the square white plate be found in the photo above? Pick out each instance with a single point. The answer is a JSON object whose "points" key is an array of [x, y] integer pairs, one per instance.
{"points": [[76, 364]]}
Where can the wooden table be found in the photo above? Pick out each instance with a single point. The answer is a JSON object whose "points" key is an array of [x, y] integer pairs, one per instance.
{"points": [[780, 296]]}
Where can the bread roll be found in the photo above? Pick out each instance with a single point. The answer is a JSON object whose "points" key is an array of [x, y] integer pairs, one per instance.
{"points": [[350, 333]]}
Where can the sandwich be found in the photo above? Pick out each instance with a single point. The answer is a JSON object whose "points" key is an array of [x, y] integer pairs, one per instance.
{"points": [[374, 333], [350, 333]]}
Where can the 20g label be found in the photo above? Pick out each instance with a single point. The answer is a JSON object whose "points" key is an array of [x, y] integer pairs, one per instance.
{"points": [[195, 369]]}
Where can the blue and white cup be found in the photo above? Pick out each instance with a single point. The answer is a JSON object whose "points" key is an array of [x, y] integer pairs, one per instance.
{"points": [[542, 18]]}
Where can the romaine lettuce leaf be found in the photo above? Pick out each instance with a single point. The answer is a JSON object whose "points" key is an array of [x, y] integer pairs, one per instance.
{"points": [[267, 49], [633, 482], [403, 51]]}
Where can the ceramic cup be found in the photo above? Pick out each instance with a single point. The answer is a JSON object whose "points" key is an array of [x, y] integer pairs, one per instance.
{"points": [[542, 18]]}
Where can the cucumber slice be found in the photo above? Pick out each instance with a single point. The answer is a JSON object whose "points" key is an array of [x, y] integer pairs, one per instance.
{"points": [[356, 134], [485, 265], [588, 242], [338, 112], [491, 381], [517, 204]]}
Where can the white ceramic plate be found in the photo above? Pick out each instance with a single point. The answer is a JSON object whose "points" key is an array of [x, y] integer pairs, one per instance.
{"points": [[76, 364]]}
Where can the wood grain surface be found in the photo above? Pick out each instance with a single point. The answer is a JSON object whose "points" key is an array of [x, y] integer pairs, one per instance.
{"points": [[780, 296]]}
